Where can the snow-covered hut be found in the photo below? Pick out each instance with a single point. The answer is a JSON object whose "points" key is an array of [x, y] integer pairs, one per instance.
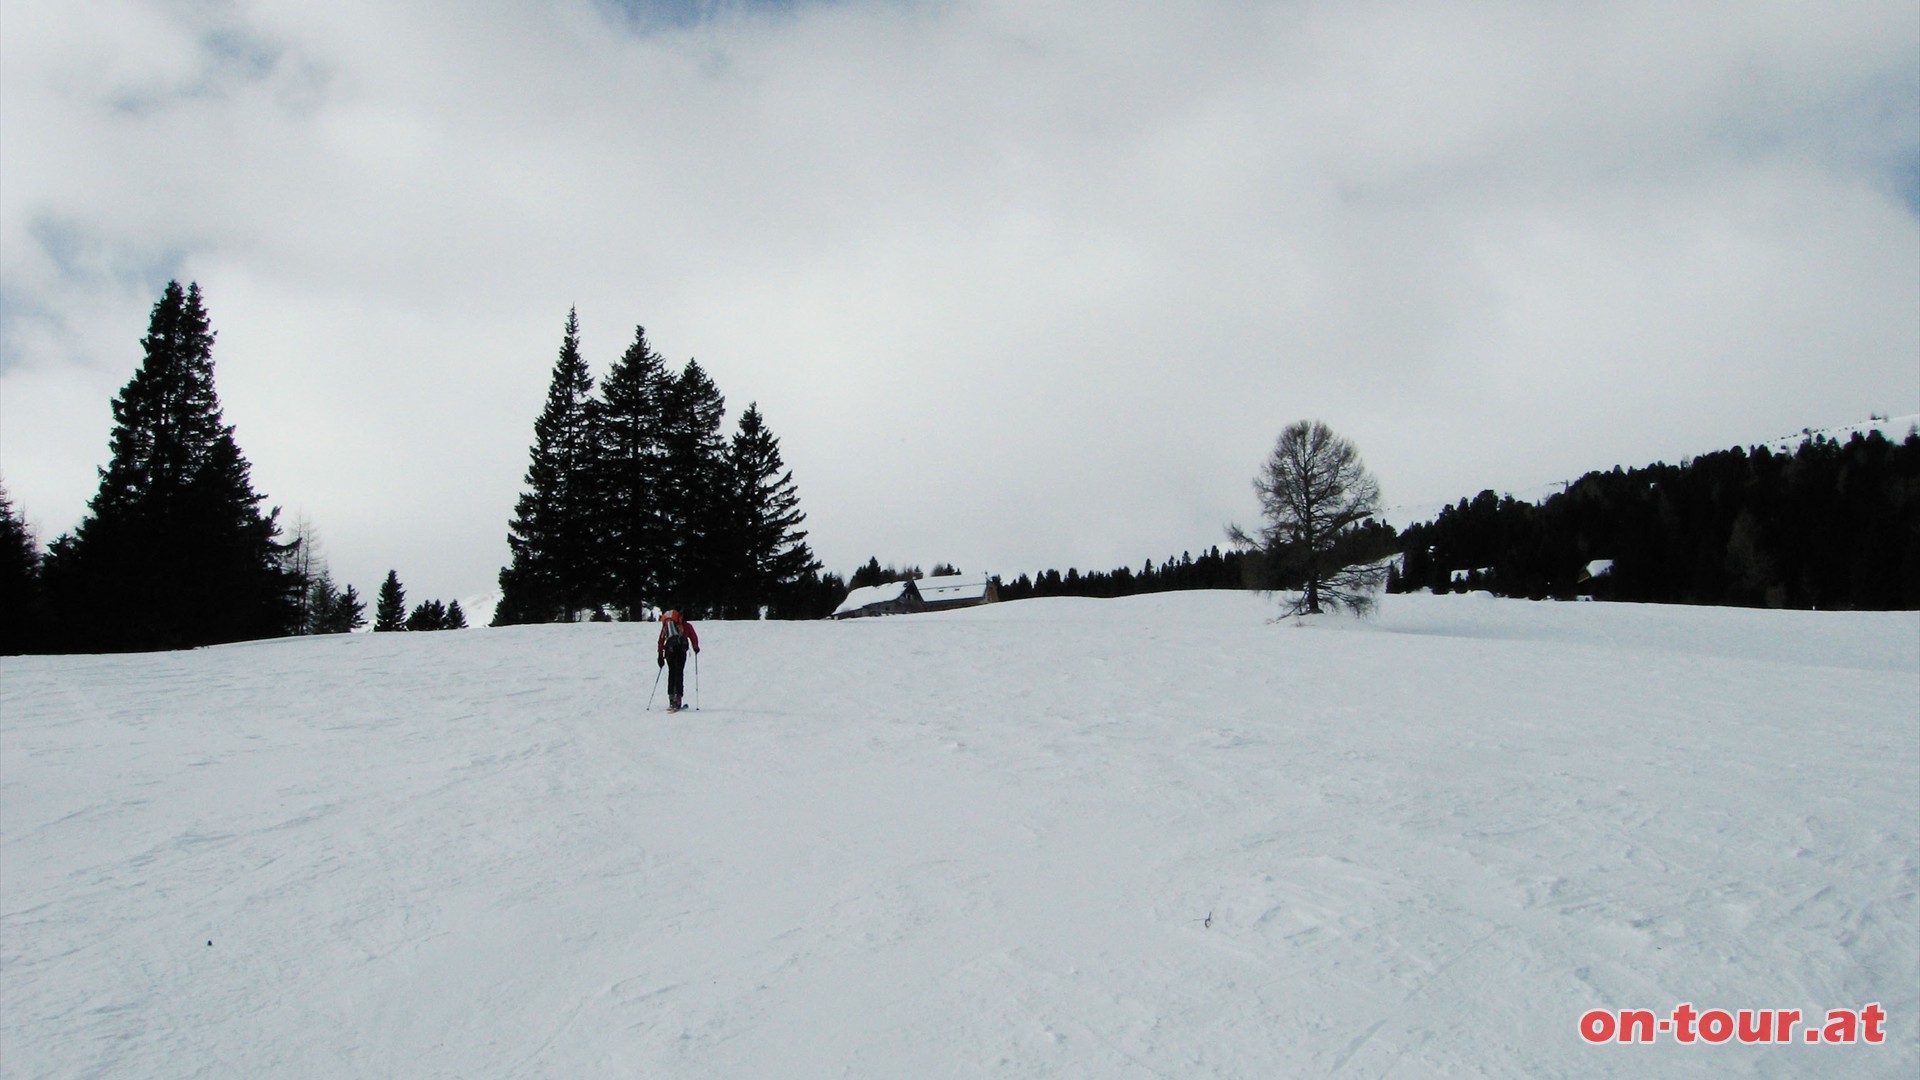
{"points": [[957, 591], [894, 598], [927, 594], [1595, 580]]}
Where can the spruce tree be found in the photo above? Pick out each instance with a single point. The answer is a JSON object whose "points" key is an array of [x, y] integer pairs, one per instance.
{"points": [[331, 611], [551, 575], [335, 612], [390, 611], [626, 475], [694, 493], [318, 604], [430, 615], [767, 546], [174, 551], [871, 574], [349, 613], [813, 597], [20, 610]]}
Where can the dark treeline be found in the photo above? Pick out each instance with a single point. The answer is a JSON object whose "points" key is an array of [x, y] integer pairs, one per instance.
{"points": [[636, 502], [875, 574], [1214, 569], [1828, 526], [1283, 569]]}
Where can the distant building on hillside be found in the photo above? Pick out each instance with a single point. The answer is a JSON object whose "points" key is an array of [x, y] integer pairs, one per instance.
{"points": [[957, 591], [941, 593], [894, 598], [1595, 579]]}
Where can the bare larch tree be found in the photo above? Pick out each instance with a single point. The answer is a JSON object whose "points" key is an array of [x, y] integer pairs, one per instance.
{"points": [[1314, 493]]}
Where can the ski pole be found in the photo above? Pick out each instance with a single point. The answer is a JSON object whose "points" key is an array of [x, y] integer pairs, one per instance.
{"points": [[655, 690], [696, 680]]}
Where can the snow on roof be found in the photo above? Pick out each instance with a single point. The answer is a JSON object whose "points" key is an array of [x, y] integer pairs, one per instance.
{"points": [[869, 595], [946, 587]]}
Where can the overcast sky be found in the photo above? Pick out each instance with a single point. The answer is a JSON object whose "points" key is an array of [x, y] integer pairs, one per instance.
{"points": [[1018, 285]]}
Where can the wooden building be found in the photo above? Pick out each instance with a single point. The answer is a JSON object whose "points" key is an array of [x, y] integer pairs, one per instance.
{"points": [[942, 593]]}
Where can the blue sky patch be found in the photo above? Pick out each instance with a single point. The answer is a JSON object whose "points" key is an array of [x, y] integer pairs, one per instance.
{"points": [[647, 15]]}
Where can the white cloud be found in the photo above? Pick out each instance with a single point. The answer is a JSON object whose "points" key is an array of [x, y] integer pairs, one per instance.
{"points": [[1017, 285]]}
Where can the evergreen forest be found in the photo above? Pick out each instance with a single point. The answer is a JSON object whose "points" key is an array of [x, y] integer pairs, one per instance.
{"points": [[1213, 569], [1829, 526]]}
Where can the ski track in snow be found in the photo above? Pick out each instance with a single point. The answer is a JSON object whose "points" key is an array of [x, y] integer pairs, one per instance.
{"points": [[977, 843]]}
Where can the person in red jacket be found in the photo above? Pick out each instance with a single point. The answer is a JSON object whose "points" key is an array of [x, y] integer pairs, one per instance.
{"points": [[676, 637]]}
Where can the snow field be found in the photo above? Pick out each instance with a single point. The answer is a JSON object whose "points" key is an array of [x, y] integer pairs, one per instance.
{"points": [[1159, 836]]}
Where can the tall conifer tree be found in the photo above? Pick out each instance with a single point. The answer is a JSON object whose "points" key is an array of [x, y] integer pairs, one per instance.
{"points": [[771, 557], [330, 611], [626, 476], [21, 629], [174, 551], [347, 614], [550, 577], [390, 610], [694, 494]]}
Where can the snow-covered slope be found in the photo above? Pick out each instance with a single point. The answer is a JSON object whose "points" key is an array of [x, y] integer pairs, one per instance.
{"points": [[1894, 428], [1148, 837]]}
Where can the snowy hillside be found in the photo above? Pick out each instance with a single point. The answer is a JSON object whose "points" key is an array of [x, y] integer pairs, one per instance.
{"points": [[1068, 838], [1895, 429]]}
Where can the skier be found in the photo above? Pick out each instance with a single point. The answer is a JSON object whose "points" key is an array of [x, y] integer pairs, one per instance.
{"points": [[676, 636]]}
